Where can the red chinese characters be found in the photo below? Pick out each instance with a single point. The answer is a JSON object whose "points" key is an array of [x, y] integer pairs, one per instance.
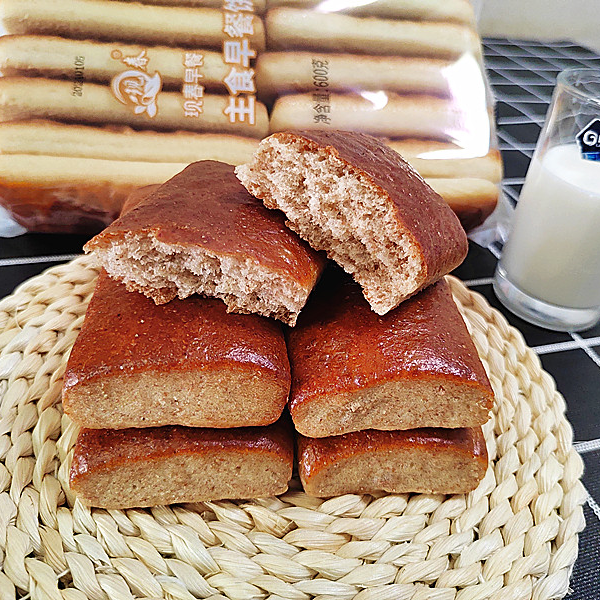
{"points": [[238, 24], [193, 92]]}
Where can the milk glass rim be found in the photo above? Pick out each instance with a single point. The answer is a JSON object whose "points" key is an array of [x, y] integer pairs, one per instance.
{"points": [[565, 79]]}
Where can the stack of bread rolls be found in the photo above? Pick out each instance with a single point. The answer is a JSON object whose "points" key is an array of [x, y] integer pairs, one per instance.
{"points": [[94, 94], [388, 392], [182, 370], [181, 400], [392, 403]]}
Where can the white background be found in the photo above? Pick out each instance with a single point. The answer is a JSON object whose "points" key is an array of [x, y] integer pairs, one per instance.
{"points": [[576, 20]]}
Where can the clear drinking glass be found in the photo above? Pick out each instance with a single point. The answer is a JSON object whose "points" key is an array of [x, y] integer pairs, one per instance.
{"points": [[549, 273]]}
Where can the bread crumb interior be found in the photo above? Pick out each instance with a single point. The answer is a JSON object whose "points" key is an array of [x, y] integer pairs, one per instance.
{"points": [[164, 271], [337, 208]]}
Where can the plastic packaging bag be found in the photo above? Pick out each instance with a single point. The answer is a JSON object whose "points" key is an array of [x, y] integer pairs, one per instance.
{"points": [[98, 97]]}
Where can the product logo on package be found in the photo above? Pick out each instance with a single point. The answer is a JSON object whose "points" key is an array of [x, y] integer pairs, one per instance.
{"points": [[588, 140], [135, 87]]}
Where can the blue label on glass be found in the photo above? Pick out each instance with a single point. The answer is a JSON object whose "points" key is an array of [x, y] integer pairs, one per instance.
{"points": [[588, 140]]}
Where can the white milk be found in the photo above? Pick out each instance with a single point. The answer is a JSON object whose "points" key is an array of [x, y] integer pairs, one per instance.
{"points": [[553, 252]]}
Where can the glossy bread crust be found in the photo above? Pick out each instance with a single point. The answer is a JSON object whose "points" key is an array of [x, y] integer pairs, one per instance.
{"points": [[352, 369], [427, 460], [137, 196], [139, 364]]}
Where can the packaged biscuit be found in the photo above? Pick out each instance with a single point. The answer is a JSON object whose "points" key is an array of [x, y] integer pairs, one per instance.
{"points": [[98, 97]]}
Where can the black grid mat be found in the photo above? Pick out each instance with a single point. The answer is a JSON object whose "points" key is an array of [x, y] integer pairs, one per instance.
{"points": [[523, 76]]}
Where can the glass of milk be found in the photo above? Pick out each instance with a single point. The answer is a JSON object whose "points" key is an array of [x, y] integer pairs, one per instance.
{"points": [[549, 273]]}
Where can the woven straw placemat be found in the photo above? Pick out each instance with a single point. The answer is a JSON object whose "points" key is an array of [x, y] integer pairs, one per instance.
{"points": [[513, 538]]}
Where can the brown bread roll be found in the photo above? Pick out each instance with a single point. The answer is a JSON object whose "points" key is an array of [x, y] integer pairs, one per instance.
{"points": [[189, 362], [201, 232], [163, 465], [414, 367], [431, 461], [352, 196]]}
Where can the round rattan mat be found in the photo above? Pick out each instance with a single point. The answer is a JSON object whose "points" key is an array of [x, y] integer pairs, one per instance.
{"points": [[514, 537]]}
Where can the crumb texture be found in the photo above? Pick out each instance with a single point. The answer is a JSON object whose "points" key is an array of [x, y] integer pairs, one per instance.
{"points": [[394, 405], [213, 475], [397, 472], [216, 397], [164, 271], [337, 208]]}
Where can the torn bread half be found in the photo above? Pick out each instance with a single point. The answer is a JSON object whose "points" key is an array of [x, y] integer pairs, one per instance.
{"points": [[352, 196], [201, 232]]}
